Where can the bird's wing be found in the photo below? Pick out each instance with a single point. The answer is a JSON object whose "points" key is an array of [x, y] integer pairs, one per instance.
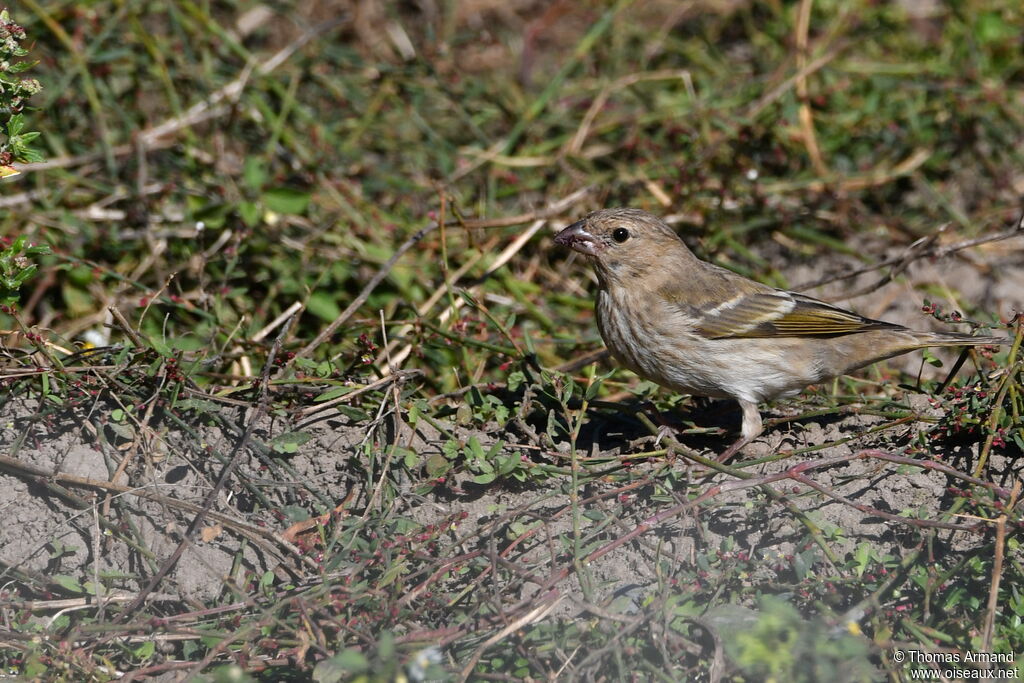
{"points": [[777, 313]]}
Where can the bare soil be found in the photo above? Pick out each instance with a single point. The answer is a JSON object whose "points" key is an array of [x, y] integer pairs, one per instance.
{"points": [[53, 530]]}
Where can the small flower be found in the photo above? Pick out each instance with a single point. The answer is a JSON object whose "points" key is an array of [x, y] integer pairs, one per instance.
{"points": [[421, 662]]}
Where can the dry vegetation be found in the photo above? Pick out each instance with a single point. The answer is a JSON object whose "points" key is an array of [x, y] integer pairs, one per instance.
{"points": [[300, 389]]}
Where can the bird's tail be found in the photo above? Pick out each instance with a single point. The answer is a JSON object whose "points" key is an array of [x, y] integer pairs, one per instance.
{"points": [[926, 339]]}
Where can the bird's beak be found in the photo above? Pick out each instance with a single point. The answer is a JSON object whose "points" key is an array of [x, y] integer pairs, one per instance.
{"points": [[577, 238]]}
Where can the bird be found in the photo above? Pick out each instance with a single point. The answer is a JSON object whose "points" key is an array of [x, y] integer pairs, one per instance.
{"points": [[699, 329]]}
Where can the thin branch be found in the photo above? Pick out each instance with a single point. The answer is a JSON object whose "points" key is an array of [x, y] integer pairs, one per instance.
{"points": [[922, 248]]}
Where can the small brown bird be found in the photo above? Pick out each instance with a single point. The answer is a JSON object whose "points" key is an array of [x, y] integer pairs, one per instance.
{"points": [[699, 329]]}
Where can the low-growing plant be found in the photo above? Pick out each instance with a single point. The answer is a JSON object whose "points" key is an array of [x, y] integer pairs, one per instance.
{"points": [[15, 91]]}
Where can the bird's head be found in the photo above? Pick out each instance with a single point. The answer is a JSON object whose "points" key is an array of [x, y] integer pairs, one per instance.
{"points": [[624, 244]]}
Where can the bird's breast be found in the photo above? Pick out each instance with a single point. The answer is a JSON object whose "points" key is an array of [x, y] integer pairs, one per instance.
{"points": [[646, 336]]}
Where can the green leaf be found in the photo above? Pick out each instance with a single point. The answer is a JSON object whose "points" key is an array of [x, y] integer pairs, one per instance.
{"points": [[186, 342], [250, 213], [199, 405], [19, 67], [31, 156], [162, 348], [437, 465], [392, 573], [190, 649], [568, 389], [122, 430], [323, 306], [862, 556], [386, 646], [254, 172], [340, 666], [33, 667], [515, 380], [333, 393], [78, 301], [991, 27], [80, 276], [60, 550], [286, 200], [14, 125], [146, 650], [289, 442], [231, 673], [68, 583], [213, 214], [295, 513], [410, 457], [507, 464]]}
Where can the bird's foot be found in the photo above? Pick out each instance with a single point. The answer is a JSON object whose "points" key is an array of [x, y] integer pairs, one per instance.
{"points": [[663, 431], [735, 448], [654, 440]]}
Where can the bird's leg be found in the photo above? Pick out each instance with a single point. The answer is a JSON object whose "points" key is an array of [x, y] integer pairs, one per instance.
{"points": [[752, 427]]}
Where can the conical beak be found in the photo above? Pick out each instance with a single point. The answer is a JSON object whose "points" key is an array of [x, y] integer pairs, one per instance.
{"points": [[577, 238]]}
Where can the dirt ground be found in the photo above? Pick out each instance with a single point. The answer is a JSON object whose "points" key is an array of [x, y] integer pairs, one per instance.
{"points": [[55, 532]]}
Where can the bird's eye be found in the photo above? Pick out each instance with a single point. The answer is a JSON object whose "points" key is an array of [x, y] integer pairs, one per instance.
{"points": [[620, 235]]}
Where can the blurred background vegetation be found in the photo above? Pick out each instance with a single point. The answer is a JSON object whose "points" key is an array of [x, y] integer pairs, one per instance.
{"points": [[211, 163]]}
